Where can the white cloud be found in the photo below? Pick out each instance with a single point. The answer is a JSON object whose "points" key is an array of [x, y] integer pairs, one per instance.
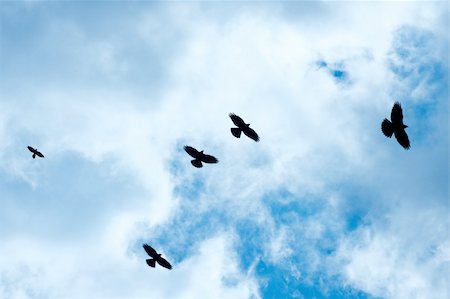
{"points": [[62, 271], [315, 135], [404, 259]]}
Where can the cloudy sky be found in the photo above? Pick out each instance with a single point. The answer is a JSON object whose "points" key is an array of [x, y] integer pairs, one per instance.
{"points": [[324, 206]]}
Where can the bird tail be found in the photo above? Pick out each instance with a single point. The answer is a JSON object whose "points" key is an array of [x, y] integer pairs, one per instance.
{"points": [[386, 127], [151, 262], [197, 163], [34, 156], [236, 132]]}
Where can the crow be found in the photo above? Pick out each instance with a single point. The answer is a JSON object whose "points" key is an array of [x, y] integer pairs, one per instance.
{"points": [[396, 126], [242, 127], [35, 152], [199, 157], [155, 257]]}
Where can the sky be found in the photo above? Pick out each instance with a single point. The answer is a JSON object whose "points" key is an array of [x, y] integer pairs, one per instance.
{"points": [[324, 206]]}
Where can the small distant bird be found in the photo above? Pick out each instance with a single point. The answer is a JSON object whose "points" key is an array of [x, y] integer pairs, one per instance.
{"points": [[155, 257], [199, 157], [242, 127], [396, 126], [35, 152]]}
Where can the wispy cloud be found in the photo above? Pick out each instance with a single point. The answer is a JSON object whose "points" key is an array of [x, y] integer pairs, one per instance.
{"points": [[323, 206]]}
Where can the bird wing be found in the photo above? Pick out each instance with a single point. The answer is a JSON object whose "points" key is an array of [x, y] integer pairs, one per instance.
{"points": [[237, 120], [164, 263], [251, 133], [386, 128], [150, 251], [192, 151], [31, 149], [39, 154], [150, 262], [197, 163], [209, 159], [402, 138], [236, 132], [397, 113]]}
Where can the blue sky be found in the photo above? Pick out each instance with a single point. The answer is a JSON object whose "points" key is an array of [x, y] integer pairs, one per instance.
{"points": [[324, 206]]}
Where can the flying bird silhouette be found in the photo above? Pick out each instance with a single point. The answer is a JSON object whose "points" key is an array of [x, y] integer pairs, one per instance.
{"points": [[199, 157], [396, 126], [242, 127], [155, 257], [35, 152]]}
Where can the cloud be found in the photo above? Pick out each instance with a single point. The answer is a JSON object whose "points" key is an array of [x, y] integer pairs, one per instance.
{"points": [[297, 214], [40, 270], [381, 263], [338, 72]]}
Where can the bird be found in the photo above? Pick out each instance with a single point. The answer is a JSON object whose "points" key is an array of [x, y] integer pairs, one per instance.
{"points": [[35, 152], [242, 127], [396, 126], [155, 257], [199, 157]]}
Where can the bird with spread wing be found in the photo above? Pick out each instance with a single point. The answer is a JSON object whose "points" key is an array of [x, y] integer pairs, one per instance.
{"points": [[155, 257], [242, 127], [199, 157], [396, 126], [35, 152]]}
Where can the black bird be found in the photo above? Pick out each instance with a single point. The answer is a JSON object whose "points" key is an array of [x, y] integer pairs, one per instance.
{"points": [[155, 257], [199, 157], [35, 152], [396, 126], [242, 127]]}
